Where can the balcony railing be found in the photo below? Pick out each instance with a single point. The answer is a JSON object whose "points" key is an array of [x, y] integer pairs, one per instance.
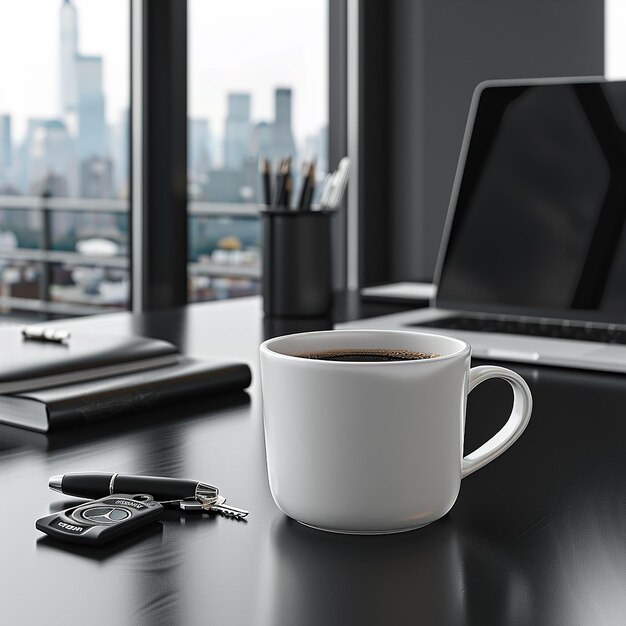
{"points": [[51, 301]]}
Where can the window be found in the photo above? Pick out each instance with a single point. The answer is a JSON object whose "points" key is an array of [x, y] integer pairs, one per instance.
{"points": [[258, 87], [614, 46], [64, 118]]}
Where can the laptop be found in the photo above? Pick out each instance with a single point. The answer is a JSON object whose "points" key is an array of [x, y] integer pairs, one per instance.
{"points": [[532, 264]]}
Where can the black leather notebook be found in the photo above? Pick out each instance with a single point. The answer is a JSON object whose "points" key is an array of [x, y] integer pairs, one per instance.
{"points": [[28, 364], [122, 396]]}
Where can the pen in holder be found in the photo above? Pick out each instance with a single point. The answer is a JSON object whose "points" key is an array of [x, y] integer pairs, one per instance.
{"points": [[297, 276]]}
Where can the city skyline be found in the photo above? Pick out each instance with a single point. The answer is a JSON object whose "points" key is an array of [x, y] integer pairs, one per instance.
{"points": [[68, 153], [219, 62], [32, 84], [49, 154]]}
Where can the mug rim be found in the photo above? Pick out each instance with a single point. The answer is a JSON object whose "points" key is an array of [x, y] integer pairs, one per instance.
{"points": [[266, 347]]}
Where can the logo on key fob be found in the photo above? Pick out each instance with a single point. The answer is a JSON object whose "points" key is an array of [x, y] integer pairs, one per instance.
{"points": [[95, 523], [105, 515]]}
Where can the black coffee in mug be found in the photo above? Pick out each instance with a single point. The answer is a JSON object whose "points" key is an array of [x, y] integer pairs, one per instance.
{"points": [[368, 355]]}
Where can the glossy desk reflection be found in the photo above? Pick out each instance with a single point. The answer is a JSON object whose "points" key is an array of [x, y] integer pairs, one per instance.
{"points": [[428, 578]]}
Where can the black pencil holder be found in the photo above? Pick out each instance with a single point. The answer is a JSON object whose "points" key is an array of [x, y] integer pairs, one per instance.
{"points": [[297, 274]]}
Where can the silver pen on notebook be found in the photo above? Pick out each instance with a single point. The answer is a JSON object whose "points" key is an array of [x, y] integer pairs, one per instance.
{"points": [[40, 333]]}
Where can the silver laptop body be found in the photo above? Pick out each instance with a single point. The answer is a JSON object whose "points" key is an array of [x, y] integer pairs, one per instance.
{"points": [[535, 239]]}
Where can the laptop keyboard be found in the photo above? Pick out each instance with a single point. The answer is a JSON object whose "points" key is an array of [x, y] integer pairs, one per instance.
{"points": [[604, 333]]}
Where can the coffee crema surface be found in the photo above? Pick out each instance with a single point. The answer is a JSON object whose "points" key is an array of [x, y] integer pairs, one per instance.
{"points": [[368, 355]]}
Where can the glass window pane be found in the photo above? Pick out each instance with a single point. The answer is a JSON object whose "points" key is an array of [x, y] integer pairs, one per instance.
{"points": [[258, 87], [614, 43], [64, 115]]}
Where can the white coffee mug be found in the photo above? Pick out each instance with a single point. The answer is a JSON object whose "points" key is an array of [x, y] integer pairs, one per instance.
{"points": [[374, 447]]}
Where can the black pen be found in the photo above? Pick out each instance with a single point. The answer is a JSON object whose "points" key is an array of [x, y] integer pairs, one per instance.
{"points": [[283, 184], [280, 183], [96, 485], [287, 187], [287, 192], [310, 188], [190, 495], [305, 184], [266, 171]]}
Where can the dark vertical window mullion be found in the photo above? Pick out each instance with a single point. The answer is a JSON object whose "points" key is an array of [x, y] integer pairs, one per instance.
{"points": [[159, 149], [337, 124]]}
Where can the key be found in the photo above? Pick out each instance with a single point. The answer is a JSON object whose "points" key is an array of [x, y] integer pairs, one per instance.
{"points": [[216, 504], [201, 504], [229, 511]]}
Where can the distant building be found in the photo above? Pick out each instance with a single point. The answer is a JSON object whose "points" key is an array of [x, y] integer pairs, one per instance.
{"points": [[51, 186], [96, 177], [68, 49], [223, 186], [91, 140], [282, 101], [5, 142], [9, 189], [316, 147], [311, 147], [198, 148], [119, 147], [322, 155], [237, 131], [49, 157], [283, 141], [249, 186], [261, 143], [22, 166]]}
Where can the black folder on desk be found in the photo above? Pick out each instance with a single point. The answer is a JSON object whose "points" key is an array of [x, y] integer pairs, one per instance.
{"points": [[122, 396]]}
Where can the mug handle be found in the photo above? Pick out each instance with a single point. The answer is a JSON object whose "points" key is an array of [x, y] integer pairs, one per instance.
{"points": [[517, 422]]}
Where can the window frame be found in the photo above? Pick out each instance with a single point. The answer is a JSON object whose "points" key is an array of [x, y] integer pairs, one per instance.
{"points": [[160, 206]]}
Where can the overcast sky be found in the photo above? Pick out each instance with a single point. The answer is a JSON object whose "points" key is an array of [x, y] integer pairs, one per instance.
{"points": [[234, 45], [615, 42]]}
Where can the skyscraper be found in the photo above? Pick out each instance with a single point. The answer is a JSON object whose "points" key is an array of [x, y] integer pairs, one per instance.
{"points": [[282, 98], [91, 140], [284, 143], [237, 132], [5, 142], [81, 99], [119, 154], [96, 177], [24, 168], [49, 158], [68, 87], [198, 148], [261, 142]]}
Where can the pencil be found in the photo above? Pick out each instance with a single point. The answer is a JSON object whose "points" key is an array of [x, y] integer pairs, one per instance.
{"points": [[266, 172], [287, 193], [308, 191], [280, 183], [305, 184]]}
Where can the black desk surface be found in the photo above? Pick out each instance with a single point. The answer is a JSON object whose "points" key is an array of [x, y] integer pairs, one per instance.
{"points": [[536, 537]]}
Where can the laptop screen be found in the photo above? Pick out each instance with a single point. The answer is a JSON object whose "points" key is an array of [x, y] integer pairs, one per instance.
{"points": [[540, 215]]}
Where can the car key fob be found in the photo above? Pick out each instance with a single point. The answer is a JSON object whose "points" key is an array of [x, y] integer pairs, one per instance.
{"points": [[99, 521]]}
